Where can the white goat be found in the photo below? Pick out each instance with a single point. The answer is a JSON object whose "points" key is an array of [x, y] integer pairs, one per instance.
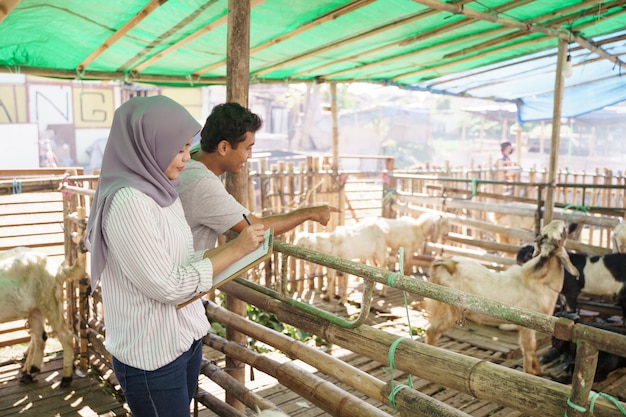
{"points": [[411, 234], [363, 241], [31, 286], [619, 238], [534, 286]]}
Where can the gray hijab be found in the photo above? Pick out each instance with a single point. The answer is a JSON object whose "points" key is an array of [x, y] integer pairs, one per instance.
{"points": [[146, 134]]}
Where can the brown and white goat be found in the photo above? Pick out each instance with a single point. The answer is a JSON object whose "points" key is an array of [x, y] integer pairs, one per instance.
{"points": [[533, 286], [363, 241], [31, 287]]}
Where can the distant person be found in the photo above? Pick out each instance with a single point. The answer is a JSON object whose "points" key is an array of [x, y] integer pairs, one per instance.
{"points": [[506, 149], [142, 252], [95, 152], [48, 159], [225, 146]]}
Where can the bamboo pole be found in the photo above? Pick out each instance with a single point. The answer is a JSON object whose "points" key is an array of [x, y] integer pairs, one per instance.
{"points": [[415, 401], [320, 392], [584, 370], [216, 405], [334, 110], [611, 343], [561, 214], [484, 380], [525, 27], [252, 400], [556, 131], [237, 75], [489, 260], [18, 186]]}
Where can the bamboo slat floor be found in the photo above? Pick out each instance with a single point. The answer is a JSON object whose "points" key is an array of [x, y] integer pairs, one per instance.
{"points": [[88, 397], [85, 397]]}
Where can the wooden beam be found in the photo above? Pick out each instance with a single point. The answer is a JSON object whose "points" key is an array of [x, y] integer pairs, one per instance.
{"points": [[556, 131], [577, 48], [438, 66], [562, 34], [121, 32], [326, 17], [344, 42], [237, 85], [6, 6], [195, 35], [418, 36], [120, 76], [496, 33]]}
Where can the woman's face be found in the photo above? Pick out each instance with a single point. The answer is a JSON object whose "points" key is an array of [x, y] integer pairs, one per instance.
{"points": [[178, 163]]}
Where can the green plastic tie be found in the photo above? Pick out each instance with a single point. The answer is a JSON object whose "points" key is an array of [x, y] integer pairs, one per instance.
{"points": [[575, 207], [392, 395], [594, 395]]}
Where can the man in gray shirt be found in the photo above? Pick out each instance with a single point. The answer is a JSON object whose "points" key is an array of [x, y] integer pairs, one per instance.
{"points": [[226, 144]]}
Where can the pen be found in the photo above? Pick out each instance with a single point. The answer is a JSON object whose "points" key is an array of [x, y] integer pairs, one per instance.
{"points": [[246, 219]]}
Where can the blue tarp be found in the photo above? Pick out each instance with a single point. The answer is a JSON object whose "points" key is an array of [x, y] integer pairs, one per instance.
{"points": [[530, 81]]}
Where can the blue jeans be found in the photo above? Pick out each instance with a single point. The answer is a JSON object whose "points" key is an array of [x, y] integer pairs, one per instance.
{"points": [[164, 392]]}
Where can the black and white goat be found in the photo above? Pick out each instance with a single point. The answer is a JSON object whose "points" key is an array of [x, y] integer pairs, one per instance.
{"points": [[597, 275], [607, 362], [31, 287], [533, 286]]}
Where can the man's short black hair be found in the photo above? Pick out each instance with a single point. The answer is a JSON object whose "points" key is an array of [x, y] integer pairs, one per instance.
{"points": [[505, 145], [229, 122]]}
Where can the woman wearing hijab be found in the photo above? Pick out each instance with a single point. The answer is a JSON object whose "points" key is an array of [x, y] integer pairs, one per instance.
{"points": [[142, 254]]}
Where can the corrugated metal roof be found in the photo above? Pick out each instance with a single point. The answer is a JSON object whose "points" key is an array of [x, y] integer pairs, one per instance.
{"points": [[497, 49]]}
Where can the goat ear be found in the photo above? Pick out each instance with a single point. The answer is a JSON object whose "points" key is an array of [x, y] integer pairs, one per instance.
{"points": [[565, 261], [447, 263]]}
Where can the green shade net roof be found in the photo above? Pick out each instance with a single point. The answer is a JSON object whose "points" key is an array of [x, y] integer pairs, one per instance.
{"points": [[503, 50]]}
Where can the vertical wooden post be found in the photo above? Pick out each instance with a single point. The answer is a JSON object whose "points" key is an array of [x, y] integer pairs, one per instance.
{"points": [[389, 190], [237, 83], [83, 304], [556, 131], [334, 117], [582, 381]]}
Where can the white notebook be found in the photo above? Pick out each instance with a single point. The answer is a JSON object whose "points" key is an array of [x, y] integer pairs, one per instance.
{"points": [[261, 253]]}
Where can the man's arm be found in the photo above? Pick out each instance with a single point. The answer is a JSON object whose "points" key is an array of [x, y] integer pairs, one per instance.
{"points": [[282, 223]]}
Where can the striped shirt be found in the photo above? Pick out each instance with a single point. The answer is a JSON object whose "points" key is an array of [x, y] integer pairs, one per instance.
{"points": [[151, 268]]}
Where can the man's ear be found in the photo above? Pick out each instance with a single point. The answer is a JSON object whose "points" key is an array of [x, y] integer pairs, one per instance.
{"points": [[222, 147]]}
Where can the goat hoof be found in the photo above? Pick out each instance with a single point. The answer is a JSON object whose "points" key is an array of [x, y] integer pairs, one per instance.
{"points": [[27, 379], [34, 370], [66, 381]]}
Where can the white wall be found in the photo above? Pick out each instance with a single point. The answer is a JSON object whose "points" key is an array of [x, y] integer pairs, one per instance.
{"points": [[19, 147]]}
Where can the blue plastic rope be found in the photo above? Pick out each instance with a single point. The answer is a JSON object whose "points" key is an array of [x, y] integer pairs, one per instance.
{"points": [[16, 188]]}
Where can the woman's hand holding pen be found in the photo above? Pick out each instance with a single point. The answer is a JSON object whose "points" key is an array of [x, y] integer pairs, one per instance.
{"points": [[249, 238]]}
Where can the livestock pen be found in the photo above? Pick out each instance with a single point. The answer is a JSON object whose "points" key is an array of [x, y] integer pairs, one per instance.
{"points": [[270, 288]]}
